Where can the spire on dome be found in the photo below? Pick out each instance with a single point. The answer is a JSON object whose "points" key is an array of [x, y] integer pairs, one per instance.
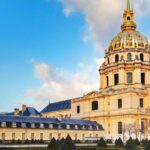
{"points": [[128, 5]]}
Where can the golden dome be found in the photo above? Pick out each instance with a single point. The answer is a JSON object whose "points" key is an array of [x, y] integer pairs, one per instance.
{"points": [[129, 37]]}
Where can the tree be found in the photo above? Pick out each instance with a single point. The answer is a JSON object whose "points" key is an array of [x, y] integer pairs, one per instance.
{"points": [[53, 145], [147, 146], [130, 145], [101, 143], [119, 142], [68, 144]]}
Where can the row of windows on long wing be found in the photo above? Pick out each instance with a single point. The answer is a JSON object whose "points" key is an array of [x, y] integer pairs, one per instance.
{"points": [[49, 126]]}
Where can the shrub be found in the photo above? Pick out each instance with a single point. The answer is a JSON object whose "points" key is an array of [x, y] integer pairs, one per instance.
{"points": [[53, 145], [144, 142], [130, 145], [27, 141], [137, 142], [109, 141], [147, 146], [101, 143], [61, 141], [68, 144], [18, 141], [41, 141], [119, 142]]}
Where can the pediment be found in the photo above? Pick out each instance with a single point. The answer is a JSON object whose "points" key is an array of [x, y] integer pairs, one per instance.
{"points": [[92, 94]]}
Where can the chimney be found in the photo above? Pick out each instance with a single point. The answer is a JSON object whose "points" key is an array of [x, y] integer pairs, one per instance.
{"points": [[24, 107], [16, 112]]}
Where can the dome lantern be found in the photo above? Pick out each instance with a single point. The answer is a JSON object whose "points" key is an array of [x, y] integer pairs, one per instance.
{"points": [[128, 16]]}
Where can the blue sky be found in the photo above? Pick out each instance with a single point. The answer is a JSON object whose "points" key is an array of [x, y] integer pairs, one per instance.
{"points": [[57, 37]]}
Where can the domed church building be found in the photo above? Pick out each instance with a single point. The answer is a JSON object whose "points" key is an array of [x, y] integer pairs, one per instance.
{"points": [[122, 105]]}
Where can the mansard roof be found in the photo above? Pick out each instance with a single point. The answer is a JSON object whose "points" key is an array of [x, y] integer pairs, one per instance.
{"points": [[62, 105], [88, 125]]}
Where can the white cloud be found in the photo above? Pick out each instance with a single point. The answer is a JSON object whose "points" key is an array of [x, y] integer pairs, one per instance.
{"points": [[58, 84], [103, 17]]}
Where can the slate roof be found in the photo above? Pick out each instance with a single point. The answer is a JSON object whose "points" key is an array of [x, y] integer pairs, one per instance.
{"points": [[29, 112], [62, 105], [46, 121]]}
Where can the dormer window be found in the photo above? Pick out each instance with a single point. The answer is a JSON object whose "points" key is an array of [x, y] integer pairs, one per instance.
{"points": [[59, 126], [76, 127], [83, 127], [51, 126], [3, 124], [41, 125], [68, 126], [23, 125], [90, 127], [32, 125], [14, 125]]}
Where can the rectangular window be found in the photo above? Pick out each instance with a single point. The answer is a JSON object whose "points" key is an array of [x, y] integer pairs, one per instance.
{"points": [[50, 136], [41, 136], [143, 78], [141, 102], [76, 136], [107, 78], [23, 136], [119, 103], [32, 136], [119, 127], [59, 136], [129, 78], [142, 126], [116, 79], [78, 109], [3, 136], [13, 136]]}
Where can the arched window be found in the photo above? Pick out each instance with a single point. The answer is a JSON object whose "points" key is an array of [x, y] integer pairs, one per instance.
{"points": [[129, 56], [95, 105], [116, 58], [141, 57], [128, 18]]}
